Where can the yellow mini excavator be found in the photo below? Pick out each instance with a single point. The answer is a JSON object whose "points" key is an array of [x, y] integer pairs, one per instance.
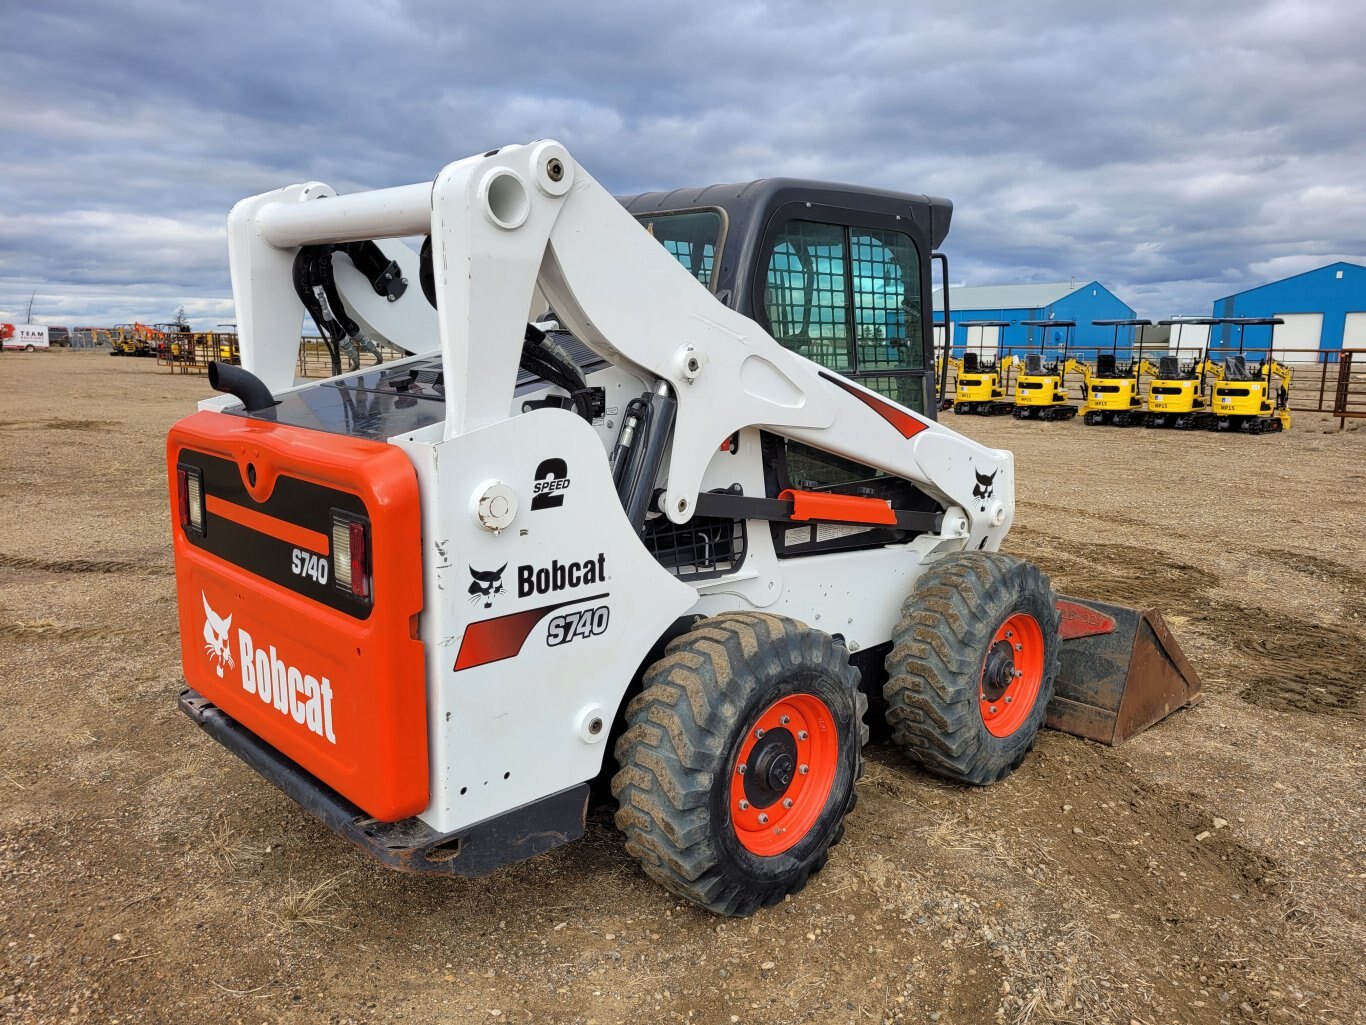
{"points": [[1040, 387], [979, 385], [1112, 393], [1178, 394], [131, 340], [1246, 398]]}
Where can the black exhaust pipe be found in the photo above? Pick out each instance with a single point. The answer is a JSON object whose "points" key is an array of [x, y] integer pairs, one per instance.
{"points": [[243, 384]]}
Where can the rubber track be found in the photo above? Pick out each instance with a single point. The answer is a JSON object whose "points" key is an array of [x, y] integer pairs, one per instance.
{"points": [[679, 728], [935, 666]]}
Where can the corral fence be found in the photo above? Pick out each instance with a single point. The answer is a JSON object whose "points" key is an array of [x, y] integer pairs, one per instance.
{"points": [[1349, 399], [1324, 380]]}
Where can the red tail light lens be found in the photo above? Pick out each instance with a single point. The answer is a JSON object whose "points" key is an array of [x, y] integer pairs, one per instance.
{"points": [[351, 554], [190, 498], [360, 561]]}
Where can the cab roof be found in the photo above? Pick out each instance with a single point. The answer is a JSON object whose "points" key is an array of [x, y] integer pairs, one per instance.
{"points": [[745, 200]]}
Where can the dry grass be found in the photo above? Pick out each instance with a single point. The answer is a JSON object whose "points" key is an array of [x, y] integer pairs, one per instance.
{"points": [[1075, 980], [227, 848], [311, 907]]}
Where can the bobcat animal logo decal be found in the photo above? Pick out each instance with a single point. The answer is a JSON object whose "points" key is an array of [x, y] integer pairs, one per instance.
{"points": [[216, 637], [984, 488], [484, 584]]}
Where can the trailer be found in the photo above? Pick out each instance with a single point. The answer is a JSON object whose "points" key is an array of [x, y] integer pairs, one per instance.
{"points": [[27, 338]]}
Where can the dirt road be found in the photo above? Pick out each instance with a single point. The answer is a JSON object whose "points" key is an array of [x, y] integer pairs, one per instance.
{"points": [[1212, 870]]}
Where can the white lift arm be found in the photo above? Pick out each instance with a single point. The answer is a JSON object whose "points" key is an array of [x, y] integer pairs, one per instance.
{"points": [[525, 222]]}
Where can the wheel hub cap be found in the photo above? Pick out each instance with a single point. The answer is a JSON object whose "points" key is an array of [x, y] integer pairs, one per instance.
{"points": [[772, 764]]}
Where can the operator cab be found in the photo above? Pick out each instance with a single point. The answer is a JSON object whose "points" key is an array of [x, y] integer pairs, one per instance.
{"points": [[836, 273]]}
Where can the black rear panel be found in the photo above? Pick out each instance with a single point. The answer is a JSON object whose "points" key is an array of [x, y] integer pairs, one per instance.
{"points": [[251, 538]]}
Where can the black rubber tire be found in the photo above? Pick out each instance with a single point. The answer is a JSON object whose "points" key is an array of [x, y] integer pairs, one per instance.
{"points": [[684, 733], [938, 652]]}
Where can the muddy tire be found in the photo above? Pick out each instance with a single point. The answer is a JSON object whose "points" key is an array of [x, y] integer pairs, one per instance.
{"points": [[739, 760], [972, 666]]}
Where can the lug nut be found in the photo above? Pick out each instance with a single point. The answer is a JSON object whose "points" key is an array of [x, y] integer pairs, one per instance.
{"points": [[1009, 699], [763, 819], [744, 805], [741, 769], [784, 720], [801, 734], [992, 709], [1010, 633], [787, 802], [1019, 647], [804, 769], [758, 734]]}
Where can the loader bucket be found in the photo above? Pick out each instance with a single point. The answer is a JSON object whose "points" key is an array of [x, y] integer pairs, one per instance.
{"points": [[1121, 671]]}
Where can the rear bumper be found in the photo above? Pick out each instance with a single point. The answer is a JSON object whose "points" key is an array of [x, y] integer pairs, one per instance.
{"points": [[410, 845]]}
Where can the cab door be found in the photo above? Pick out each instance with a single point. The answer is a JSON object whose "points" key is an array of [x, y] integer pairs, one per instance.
{"points": [[847, 292]]}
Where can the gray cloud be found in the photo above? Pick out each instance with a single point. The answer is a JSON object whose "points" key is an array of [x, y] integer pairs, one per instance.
{"points": [[1177, 152]]}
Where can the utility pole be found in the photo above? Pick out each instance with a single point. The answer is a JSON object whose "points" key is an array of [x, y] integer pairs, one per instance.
{"points": [[28, 317]]}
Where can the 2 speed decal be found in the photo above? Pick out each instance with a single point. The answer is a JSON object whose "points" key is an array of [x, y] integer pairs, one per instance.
{"points": [[573, 626], [552, 481]]}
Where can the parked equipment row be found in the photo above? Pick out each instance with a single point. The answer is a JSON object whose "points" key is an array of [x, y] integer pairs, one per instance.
{"points": [[1191, 390]]}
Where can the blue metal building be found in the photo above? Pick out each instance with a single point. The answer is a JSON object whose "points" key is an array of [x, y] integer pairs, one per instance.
{"points": [[1082, 302], [1322, 309]]}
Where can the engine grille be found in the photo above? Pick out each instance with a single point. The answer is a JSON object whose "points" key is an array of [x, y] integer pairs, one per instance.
{"points": [[705, 546]]}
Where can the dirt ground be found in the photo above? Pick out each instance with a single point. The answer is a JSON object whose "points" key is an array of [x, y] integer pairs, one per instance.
{"points": [[1211, 870]]}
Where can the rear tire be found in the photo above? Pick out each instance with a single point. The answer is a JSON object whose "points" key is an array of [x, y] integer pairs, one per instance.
{"points": [[716, 807], [973, 622]]}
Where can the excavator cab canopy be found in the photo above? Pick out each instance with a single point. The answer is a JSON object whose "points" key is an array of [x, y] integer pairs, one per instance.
{"points": [[1034, 363], [1107, 364], [1175, 344]]}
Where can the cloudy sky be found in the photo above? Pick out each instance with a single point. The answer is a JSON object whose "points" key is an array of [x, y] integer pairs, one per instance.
{"points": [[1176, 151]]}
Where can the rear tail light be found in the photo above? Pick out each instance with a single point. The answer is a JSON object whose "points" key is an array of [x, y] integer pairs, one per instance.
{"points": [[190, 498], [351, 554]]}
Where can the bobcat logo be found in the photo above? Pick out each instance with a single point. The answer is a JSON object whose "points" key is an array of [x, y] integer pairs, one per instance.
{"points": [[216, 637], [484, 584], [985, 487]]}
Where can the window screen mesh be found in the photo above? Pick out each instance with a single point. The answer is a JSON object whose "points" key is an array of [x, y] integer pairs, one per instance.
{"points": [[886, 280], [849, 299], [805, 294], [692, 238]]}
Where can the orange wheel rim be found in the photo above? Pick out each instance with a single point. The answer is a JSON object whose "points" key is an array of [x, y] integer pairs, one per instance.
{"points": [[1012, 674], [783, 775]]}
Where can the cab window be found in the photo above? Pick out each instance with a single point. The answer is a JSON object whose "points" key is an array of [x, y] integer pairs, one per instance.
{"points": [[692, 238], [848, 297]]}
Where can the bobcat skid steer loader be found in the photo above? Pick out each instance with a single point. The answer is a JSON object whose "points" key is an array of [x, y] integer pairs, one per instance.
{"points": [[644, 535]]}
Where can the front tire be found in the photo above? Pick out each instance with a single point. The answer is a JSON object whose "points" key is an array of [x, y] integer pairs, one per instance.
{"points": [[972, 666], [739, 760]]}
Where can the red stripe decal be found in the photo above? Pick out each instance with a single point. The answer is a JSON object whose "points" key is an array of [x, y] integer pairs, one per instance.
{"points": [[493, 640], [907, 425], [289, 533]]}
